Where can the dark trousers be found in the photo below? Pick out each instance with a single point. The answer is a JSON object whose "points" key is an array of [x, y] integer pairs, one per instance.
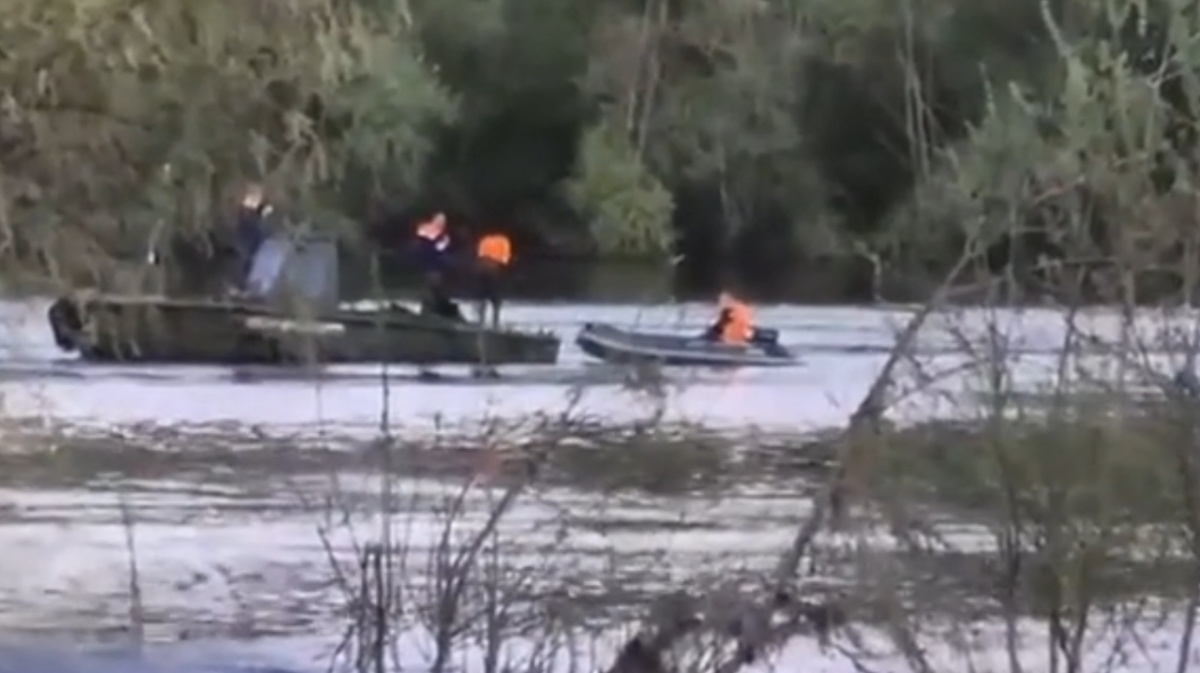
{"points": [[489, 291], [437, 299]]}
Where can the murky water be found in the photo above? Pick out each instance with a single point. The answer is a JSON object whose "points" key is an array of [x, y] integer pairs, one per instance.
{"points": [[230, 553], [842, 350]]}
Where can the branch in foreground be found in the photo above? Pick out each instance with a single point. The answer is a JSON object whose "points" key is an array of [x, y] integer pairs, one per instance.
{"points": [[777, 614]]}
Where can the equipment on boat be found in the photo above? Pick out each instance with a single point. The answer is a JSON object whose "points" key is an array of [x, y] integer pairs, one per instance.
{"points": [[613, 344], [290, 313]]}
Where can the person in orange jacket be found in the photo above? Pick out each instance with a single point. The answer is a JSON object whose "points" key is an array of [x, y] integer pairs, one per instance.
{"points": [[493, 256], [734, 324]]}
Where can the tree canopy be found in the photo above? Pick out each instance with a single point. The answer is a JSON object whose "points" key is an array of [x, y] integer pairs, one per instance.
{"points": [[745, 136]]}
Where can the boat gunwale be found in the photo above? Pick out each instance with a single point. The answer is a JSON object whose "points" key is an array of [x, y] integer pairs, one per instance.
{"points": [[398, 318]]}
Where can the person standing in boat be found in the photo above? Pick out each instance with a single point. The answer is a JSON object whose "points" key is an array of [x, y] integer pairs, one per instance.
{"points": [[433, 250], [433, 240], [493, 255], [734, 324], [250, 230]]}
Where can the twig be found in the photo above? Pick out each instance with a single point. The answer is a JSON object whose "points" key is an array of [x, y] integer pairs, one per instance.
{"points": [[137, 611]]}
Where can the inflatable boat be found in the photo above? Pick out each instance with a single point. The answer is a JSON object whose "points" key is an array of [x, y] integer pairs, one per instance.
{"points": [[615, 345]]}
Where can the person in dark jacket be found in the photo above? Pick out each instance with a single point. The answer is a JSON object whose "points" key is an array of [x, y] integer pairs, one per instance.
{"points": [[434, 255], [250, 229], [433, 244]]}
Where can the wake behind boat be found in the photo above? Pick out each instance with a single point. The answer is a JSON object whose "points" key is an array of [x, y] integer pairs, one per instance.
{"points": [[615, 345]]}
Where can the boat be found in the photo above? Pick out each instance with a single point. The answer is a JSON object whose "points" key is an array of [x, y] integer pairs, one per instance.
{"points": [[290, 314], [615, 345]]}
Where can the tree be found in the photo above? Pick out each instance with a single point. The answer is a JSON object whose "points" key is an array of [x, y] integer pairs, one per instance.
{"points": [[126, 117]]}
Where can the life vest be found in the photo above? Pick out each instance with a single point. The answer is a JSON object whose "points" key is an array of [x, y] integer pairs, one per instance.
{"points": [[495, 248], [739, 325]]}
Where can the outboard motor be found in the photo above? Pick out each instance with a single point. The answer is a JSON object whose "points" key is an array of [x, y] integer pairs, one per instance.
{"points": [[768, 341], [765, 337]]}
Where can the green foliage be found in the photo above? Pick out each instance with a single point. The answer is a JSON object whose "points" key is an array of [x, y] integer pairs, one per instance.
{"points": [[125, 117], [628, 209], [812, 128], [1091, 166]]}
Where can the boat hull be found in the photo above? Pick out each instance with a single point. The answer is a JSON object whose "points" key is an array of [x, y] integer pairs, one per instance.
{"points": [[169, 331], [615, 345]]}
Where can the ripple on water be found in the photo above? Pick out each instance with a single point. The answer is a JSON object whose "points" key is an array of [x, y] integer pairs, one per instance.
{"points": [[215, 556]]}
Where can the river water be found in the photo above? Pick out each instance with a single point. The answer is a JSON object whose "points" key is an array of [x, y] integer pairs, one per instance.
{"points": [[233, 565], [842, 350]]}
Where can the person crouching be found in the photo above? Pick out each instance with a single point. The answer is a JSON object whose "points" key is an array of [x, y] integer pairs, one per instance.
{"points": [[735, 322]]}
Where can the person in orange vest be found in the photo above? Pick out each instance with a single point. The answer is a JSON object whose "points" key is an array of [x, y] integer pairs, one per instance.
{"points": [[734, 324], [493, 255]]}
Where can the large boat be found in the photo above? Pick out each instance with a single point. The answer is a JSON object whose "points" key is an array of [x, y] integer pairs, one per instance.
{"points": [[290, 314]]}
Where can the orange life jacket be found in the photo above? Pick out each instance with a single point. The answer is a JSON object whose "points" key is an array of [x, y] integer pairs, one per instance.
{"points": [[495, 248], [739, 328]]}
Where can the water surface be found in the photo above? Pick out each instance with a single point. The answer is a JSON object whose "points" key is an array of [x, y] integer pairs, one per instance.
{"points": [[842, 350], [233, 566]]}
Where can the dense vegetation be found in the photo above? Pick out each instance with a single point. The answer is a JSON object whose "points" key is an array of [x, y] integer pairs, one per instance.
{"points": [[751, 135]]}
